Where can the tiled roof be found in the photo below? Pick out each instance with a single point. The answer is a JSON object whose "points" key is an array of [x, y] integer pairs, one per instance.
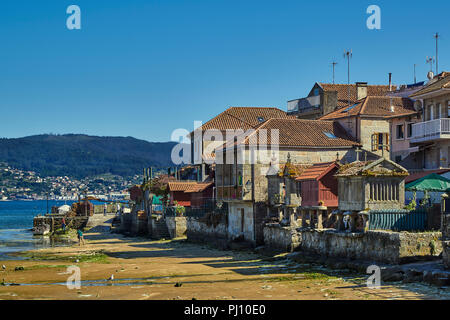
{"points": [[375, 106], [199, 187], [304, 133], [180, 185], [443, 82], [417, 175], [316, 171], [243, 118], [342, 90]]}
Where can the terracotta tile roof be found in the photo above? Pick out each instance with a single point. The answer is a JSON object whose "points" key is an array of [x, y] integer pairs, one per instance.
{"points": [[443, 82], [316, 171], [304, 133], [375, 106], [180, 185], [243, 118], [417, 175], [342, 90], [199, 187]]}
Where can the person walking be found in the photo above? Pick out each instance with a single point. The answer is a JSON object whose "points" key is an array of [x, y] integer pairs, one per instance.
{"points": [[63, 224], [104, 209], [80, 237]]}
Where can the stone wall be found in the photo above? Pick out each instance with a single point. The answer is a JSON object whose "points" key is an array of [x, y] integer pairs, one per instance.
{"points": [[55, 222], [198, 230], [278, 238], [446, 240], [381, 246], [176, 226]]}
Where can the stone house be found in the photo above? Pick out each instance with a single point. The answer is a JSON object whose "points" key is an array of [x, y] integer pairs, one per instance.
{"points": [[431, 136], [400, 132], [241, 174], [201, 194], [212, 134], [325, 98], [366, 121]]}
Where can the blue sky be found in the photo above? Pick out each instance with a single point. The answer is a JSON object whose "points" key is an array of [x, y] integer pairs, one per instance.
{"points": [[144, 68]]}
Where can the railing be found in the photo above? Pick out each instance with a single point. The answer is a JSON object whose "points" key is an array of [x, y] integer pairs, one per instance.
{"points": [[201, 212], [398, 220], [229, 193], [304, 105], [430, 129]]}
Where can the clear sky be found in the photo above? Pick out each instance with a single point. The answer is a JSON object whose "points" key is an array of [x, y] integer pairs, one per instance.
{"points": [[143, 68]]}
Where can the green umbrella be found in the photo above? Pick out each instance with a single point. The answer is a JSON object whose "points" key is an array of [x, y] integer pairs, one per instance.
{"points": [[433, 183]]}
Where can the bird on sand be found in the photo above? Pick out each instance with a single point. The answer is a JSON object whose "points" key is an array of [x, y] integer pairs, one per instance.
{"points": [[3, 267], [111, 278]]}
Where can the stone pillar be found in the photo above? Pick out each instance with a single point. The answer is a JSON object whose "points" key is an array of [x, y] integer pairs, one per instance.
{"points": [[339, 221], [319, 219], [365, 217], [304, 218]]}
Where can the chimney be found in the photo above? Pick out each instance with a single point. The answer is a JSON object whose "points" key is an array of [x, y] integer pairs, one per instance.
{"points": [[390, 81], [361, 90]]}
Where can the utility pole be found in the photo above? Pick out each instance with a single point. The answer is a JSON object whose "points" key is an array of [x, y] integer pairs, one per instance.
{"points": [[415, 81], [334, 65], [436, 36], [348, 55]]}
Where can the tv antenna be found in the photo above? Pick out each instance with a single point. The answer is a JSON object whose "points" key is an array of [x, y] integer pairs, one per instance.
{"points": [[430, 60], [436, 36], [348, 55], [334, 65]]}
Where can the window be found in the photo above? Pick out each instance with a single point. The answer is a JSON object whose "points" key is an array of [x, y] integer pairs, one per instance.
{"points": [[409, 130], [316, 91], [380, 141], [398, 159], [438, 111], [330, 135], [400, 132]]}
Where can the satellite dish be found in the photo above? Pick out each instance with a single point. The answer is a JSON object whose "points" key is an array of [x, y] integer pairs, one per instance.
{"points": [[418, 105], [430, 75]]}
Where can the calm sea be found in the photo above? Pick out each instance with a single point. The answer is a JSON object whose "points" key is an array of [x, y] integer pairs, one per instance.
{"points": [[16, 220]]}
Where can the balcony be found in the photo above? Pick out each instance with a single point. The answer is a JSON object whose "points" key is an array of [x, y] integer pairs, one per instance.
{"points": [[305, 105], [229, 193], [431, 130]]}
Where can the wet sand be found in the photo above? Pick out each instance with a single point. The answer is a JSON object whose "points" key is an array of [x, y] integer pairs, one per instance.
{"points": [[176, 269]]}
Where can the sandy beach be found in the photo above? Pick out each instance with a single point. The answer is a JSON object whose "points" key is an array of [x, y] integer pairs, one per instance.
{"points": [[175, 269]]}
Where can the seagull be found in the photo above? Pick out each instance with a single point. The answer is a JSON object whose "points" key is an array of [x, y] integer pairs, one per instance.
{"points": [[3, 267], [111, 278]]}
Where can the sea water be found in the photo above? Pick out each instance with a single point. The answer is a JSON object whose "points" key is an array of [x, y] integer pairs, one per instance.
{"points": [[16, 221]]}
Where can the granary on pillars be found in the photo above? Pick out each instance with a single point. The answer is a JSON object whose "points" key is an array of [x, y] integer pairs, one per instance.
{"points": [[309, 190], [368, 185]]}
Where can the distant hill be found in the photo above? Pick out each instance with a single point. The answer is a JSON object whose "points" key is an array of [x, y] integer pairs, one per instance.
{"points": [[79, 156]]}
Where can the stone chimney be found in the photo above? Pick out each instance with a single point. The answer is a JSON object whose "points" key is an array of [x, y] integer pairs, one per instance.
{"points": [[361, 90]]}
